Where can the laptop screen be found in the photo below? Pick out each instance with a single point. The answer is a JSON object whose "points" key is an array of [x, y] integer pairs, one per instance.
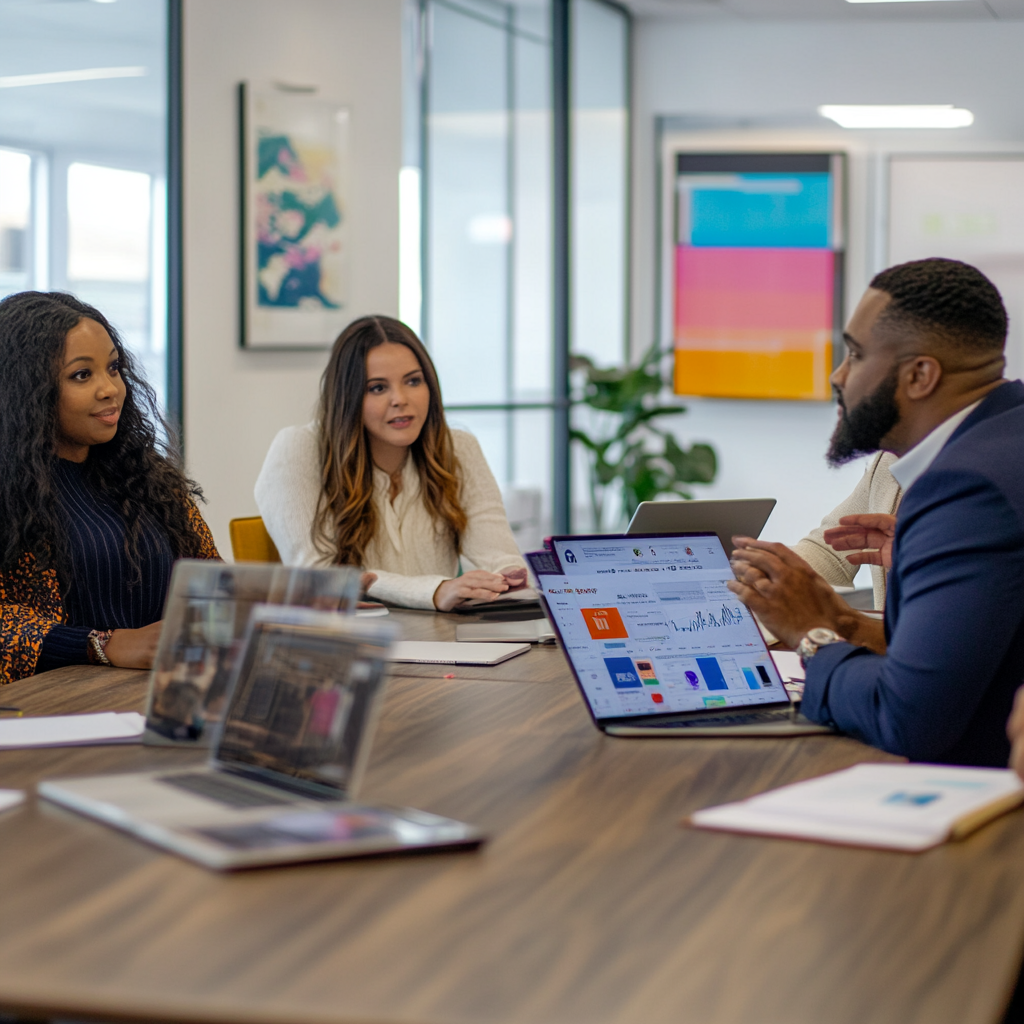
{"points": [[650, 626], [304, 699]]}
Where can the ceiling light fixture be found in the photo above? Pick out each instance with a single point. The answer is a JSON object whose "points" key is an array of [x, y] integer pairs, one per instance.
{"points": [[883, 115], [57, 77]]}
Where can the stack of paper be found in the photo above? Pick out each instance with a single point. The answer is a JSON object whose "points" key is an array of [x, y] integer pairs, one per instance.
{"points": [[896, 806], [71, 730]]}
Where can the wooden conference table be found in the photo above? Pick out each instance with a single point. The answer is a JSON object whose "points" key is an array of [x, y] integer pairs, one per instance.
{"points": [[590, 904]]}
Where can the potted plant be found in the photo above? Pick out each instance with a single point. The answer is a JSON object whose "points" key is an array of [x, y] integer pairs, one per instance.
{"points": [[624, 448]]}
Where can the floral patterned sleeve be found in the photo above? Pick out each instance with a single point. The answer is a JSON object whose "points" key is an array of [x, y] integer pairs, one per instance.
{"points": [[198, 523], [30, 606]]}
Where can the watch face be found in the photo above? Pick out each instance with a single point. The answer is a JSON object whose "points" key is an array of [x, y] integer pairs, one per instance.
{"points": [[819, 635]]}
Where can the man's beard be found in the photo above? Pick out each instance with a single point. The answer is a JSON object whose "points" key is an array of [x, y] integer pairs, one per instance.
{"points": [[860, 431]]}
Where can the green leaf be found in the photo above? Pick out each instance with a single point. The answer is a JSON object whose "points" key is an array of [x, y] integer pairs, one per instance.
{"points": [[618, 450], [579, 435], [695, 465]]}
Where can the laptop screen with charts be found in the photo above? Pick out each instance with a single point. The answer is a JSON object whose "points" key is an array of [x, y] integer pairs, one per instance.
{"points": [[654, 636]]}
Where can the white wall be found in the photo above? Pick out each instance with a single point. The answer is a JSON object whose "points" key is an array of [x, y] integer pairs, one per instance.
{"points": [[771, 76], [235, 400]]}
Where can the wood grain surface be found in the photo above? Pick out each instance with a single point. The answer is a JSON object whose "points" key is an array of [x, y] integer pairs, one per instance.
{"points": [[589, 905]]}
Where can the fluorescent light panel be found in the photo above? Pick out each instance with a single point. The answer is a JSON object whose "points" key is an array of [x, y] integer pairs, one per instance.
{"points": [[57, 77], [943, 115]]}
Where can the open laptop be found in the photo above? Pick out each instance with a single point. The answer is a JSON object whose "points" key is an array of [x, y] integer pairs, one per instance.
{"points": [[659, 646], [286, 763], [204, 622], [739, 517]]}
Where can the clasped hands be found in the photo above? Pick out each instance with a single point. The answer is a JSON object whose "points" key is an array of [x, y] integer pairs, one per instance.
{"points": [[790, 598]]}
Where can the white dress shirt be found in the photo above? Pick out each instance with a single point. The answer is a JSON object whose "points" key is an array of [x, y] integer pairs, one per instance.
{"points": [[410, 553], [915, 462]]}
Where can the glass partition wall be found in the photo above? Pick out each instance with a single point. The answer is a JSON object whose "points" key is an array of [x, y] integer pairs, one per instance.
{"points": [[481, 208], [83, 193]]}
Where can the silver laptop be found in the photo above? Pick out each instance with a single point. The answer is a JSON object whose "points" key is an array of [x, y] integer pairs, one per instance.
{"points": [[659, 646], [204, 622], [286, 763], [531, 631], [739, 517]]}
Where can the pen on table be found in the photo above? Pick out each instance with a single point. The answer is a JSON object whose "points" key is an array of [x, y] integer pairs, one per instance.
{"points": [[18, 710]]}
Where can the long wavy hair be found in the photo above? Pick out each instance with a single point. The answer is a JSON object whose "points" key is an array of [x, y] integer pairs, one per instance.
{"points": [[137, 472], [346, 520]]}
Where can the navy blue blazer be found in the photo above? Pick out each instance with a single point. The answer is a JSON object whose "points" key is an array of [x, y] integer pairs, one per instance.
{"points": [[954, 612]]}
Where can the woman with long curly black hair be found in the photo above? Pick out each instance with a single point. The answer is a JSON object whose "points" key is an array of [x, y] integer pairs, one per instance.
{"points": [[94, 508]]}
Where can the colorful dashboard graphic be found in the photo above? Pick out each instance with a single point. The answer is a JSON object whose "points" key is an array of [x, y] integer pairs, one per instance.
{"points": [[653, 628], [758, 264]]}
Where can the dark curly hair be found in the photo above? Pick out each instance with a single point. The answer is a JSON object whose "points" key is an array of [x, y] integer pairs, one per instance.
{"points": [[136, 471], [947, 297]]}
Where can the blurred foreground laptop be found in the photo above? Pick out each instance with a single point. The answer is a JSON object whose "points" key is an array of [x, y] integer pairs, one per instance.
{"points": [[659, 646], [286, 762], [739, 517], [204, 622]]}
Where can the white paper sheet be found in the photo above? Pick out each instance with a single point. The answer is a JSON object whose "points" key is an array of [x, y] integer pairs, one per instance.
{"points": [[71, 730], [789, 665], [11, 798]]}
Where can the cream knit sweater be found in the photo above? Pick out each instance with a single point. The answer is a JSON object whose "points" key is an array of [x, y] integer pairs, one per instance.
{"points": [[876, 492], [409, 554]]}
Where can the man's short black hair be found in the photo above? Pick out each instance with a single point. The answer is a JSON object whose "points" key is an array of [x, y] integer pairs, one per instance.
{"points": [[952, 299]]}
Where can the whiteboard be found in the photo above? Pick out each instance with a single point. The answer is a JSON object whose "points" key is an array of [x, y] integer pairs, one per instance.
{"points": [[970, 209]]}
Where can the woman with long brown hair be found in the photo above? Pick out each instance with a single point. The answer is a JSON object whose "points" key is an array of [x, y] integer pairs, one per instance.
{"points": [[379, 481]]}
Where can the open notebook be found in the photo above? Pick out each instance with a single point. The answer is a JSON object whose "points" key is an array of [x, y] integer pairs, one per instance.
{"points": [[896, 806]]}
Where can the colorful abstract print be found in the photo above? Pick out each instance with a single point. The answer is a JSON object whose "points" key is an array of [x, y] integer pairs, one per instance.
{"points": [[298, 224], [756, 266]]}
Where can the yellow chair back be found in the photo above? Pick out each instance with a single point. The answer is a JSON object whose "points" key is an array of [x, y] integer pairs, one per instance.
{"points": [[250, 541]]}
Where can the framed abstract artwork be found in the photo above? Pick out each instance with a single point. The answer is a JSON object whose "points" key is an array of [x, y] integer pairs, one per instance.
{"points": [[757, 273], [295, 207]]}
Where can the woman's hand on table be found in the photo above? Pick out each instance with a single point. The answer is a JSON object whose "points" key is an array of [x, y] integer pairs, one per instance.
{"points": [[471, 586], [133, 648], [515, 576]]}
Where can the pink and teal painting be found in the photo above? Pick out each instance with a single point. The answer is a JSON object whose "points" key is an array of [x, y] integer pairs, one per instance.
{"points": [[296, 219], [297, 222]]}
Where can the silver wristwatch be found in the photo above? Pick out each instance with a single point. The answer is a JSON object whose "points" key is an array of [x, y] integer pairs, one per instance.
{"points": [[815, 638]]}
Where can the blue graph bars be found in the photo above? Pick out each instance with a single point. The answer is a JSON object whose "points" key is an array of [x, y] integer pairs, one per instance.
{"points": [[712, 673]]}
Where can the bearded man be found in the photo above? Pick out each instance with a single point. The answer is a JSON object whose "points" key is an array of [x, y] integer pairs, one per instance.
{"points": [[923, 379]]}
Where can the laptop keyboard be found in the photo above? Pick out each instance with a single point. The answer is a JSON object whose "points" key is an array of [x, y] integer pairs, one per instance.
{"points": [[738, 718], [223, 789]]}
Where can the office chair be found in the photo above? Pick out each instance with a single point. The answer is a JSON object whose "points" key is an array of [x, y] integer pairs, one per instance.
{"points": [[250, 541]]}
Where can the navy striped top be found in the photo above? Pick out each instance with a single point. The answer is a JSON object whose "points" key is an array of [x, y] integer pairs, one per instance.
{"points": [[100, 595]]}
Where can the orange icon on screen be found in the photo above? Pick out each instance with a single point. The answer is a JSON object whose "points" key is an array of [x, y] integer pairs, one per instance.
{"points": [[604, 623]]}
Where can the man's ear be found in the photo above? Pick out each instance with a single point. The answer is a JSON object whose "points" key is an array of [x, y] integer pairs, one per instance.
{"points": [[920, 376]]}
